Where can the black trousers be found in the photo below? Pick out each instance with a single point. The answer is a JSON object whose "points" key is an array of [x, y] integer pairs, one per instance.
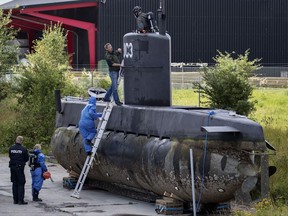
{"points": [[18, 182]]}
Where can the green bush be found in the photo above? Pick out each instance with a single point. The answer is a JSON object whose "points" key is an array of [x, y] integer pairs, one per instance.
{"points": [[226, 84], [48, 69], [104, 83], [8, 52]]}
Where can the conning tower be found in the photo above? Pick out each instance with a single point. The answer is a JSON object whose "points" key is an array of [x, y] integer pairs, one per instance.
{"points": [[147, 61]]}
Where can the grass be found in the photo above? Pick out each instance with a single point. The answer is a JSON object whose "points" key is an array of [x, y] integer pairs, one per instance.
{"points": [[272, 107], [6, 114], [185, 97], [272, 114]]}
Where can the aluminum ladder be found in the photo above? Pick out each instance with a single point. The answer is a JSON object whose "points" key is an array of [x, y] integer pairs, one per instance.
{"points": [[89, 160]]}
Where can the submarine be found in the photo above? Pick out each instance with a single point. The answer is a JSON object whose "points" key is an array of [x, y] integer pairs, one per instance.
{"points": [[145, 148]]}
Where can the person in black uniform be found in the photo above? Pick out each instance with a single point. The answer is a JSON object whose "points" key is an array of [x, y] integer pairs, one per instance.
{"points": [[145, 21], [18, 155]]}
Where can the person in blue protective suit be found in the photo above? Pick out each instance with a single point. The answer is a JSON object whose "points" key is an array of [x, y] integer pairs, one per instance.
{"points": [[37, 170], [87, 124]]}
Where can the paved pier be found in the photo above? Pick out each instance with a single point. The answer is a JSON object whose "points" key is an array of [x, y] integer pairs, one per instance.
{"points": [[57, 200]]}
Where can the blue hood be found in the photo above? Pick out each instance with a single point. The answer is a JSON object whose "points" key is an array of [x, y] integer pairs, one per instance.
{"points": [[92, 100], [37, 151]]}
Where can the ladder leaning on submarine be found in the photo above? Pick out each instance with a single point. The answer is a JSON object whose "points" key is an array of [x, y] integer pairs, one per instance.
{"points": [[100, 131], [90, 158]]}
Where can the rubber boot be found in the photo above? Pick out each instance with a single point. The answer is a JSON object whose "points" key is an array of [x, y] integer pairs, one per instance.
{"points": [[35, 196]]}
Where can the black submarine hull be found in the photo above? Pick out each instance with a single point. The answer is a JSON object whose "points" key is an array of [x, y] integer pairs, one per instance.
{"points": [[147, 142], [147, 148]]}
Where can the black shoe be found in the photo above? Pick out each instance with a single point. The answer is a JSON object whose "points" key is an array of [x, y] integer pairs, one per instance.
{"points": [[106, 100], [37, 199], [23, 203], [88, 142], [119, 103], [15, 202]]}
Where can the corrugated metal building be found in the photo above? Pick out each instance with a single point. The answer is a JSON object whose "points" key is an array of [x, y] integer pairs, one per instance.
{"points": [[198, 28]]}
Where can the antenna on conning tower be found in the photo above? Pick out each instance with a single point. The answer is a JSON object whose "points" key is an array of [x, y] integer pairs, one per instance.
{"points": [[162, 17]]}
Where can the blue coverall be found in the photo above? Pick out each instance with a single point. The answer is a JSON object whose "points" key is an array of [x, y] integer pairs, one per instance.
{"points": [[87, 123], [37, 173]]}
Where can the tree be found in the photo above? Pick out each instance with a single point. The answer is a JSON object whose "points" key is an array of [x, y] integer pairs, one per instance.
{"points": [[47, 70], [8, 51], [226, 84]]}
